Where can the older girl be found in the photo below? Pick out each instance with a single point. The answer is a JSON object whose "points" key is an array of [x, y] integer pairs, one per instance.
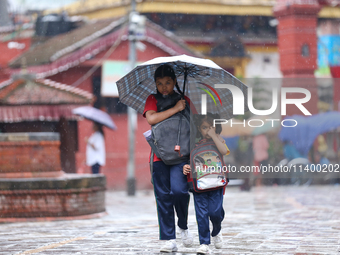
{"points": [[170, 185]]}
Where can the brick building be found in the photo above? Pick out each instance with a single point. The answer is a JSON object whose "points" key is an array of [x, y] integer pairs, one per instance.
{"points": [[31, 105], [76, 58]]}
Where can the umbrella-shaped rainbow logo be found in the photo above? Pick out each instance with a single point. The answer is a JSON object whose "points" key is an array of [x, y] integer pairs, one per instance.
{"points": [[209, 93]]}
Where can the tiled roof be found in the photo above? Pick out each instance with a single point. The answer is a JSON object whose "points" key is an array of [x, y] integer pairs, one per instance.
{"points": [[42, 53], [41, 92], [19, 113], [63, 52], [39, 100]]}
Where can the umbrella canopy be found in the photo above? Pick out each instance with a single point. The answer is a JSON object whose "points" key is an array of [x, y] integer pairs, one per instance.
{"points": [[308, 128], [96, 115], [199, 76]]}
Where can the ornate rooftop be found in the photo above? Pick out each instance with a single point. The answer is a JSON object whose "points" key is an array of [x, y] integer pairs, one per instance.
{"points": [[114, 8]]}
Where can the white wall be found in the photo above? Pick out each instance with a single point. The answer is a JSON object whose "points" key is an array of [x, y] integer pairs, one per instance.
{"points": [[258, 67]]}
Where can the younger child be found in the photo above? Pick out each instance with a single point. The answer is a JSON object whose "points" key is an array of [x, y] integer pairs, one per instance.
{"points": [[209, 204]]}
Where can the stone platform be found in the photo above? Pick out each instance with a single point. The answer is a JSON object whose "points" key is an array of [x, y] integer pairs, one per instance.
{"points": [[34, 187], [68, 195]]}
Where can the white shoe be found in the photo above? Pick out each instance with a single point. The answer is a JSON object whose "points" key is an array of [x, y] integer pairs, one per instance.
{"points": [[186, 237], [169, 246], [203, 249], [218, 240]]}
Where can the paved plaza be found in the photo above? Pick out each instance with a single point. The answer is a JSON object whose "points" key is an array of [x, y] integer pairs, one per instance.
{"points": [[266, 220]]}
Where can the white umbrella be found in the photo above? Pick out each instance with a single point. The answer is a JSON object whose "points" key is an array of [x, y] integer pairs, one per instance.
{"points": [[96, 115]]}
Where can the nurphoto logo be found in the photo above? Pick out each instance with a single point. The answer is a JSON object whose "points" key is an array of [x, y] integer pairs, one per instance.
{"points": [[238, 104]]}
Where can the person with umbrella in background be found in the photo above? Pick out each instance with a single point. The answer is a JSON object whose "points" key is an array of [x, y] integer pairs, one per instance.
{"points": [[95, 149]]}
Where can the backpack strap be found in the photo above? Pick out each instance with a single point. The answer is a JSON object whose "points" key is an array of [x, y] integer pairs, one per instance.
{"points": [[166, 102], [151, 165]]}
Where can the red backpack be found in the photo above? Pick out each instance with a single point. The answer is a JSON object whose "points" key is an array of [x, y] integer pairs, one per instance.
{"points": [[208, 171]]}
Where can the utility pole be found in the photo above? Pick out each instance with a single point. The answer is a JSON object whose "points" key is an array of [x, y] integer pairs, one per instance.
{"points": [[4, 16], [132, 114]]}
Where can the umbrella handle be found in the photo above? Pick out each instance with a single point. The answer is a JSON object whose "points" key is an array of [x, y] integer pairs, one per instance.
{"points": [[177, 147], [185, 81]]}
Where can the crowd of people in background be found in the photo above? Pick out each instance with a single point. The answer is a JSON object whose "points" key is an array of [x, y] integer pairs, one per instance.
{"points": [[267, 149]]}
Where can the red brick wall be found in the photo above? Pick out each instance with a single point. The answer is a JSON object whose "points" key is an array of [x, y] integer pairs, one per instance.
{"points": [[29, 157], [293, 33], [51, 203], [67, 196], [297, 29]]}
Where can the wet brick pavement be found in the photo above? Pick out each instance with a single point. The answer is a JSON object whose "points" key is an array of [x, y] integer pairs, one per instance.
{"points": [[266, 220]]}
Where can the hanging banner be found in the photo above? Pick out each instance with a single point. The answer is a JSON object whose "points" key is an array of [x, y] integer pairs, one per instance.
{"points": [[112, 71]]}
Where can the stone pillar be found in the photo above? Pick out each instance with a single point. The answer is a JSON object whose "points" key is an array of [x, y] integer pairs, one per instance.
{"points": [[297, 41], [335, 71]]}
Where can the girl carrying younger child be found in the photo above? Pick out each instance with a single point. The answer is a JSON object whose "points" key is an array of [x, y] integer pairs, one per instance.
{"points": [[170, 185], [209, 204]]}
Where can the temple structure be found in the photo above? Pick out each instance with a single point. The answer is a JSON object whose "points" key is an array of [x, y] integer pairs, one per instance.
{"points": [[38, 140], [298, 47]]}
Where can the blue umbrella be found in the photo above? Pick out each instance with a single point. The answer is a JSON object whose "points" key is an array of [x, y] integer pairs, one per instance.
{"points": [[308, 128]]}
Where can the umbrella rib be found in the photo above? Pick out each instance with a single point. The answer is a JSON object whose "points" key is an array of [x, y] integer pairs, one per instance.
{"points": [[192, 70]]}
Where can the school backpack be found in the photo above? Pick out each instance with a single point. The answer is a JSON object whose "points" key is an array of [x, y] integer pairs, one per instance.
{"points": [[172, 131], [208, 171]]}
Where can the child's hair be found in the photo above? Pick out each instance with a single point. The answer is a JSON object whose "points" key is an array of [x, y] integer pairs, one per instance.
{"points": [[199, 159], [166, 70], [209, 118]]}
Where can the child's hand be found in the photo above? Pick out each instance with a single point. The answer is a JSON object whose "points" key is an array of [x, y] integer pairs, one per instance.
{"points": [[180, 105], [186, 169], [211, 132]]}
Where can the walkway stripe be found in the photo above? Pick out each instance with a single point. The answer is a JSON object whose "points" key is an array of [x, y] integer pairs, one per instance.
{"points": [[51, 246]]}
